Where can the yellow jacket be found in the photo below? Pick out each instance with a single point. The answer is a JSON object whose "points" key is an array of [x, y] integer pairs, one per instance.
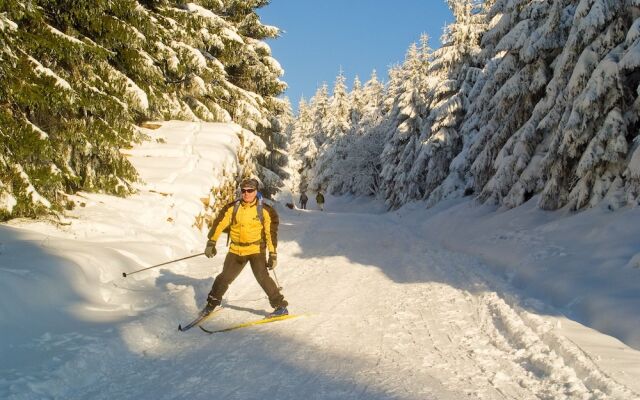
{"points": [[248, 235]]}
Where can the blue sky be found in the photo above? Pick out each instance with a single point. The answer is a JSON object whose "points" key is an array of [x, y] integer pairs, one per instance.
{"points": [[321, 36]]}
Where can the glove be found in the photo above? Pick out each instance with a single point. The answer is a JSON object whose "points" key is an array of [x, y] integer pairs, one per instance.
{"points": [[273, 261], [210, 250]]}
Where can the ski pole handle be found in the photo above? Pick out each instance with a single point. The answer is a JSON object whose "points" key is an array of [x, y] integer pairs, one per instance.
{"points": [[124, 274]]}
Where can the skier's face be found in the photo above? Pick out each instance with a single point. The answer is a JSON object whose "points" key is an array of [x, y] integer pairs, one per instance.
{"points": [[249, 194]]}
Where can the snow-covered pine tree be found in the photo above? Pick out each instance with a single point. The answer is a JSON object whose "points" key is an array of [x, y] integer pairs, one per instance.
{"points": [[534, 41], [506, 90], [629, 64], [350, 162], [319, 105], [20, 140], [337, 121], [215, 63], [187, 47], [123, 29], [252, 69], [302, 148], [102, 66], [293, 168], [368, 136], [357, 167], [451, 75], [62, 124], [589, 149], [405, 121], [335, 125], [274, 164], [339, 172], [372, 107], [555, 108], [356, 103]]}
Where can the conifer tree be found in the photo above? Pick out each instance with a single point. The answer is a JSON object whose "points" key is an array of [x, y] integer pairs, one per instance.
{"points": [[336, 123], [368, 139], [524, 98], [302, 147], [334, 128], [356, 102], [506, 90], [406, 118], [275, 160], [555, 113], [452, 72], [319, 105], [349, 161], [82, 73], [63, 124], [588, 151]]}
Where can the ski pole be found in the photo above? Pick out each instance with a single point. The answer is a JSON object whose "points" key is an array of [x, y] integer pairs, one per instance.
{"points": [[276, 276], [124, 274]]}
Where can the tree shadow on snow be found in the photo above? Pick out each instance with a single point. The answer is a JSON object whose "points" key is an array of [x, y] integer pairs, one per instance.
{"points": [[390, 243]]}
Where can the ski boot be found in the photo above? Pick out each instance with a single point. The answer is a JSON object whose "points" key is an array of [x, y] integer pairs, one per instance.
{"points": [[278, 312], [212, 303]]}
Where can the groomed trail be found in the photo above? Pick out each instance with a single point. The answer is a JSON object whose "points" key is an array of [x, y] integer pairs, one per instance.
{"points": [[387, 315]]}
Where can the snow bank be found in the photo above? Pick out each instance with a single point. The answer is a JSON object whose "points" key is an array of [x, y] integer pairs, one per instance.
{"points": [[66, 277], [580, 263]]}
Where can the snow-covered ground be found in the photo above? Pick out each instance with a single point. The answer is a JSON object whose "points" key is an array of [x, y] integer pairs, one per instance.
{"points": [[459, 301]]}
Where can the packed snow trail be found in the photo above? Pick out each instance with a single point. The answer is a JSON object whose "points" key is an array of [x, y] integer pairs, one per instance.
{"points": [[390, 317], [388, 314]]}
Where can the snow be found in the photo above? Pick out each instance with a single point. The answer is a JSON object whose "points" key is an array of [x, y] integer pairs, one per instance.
{"points": [[31, 190], [197, 58], [231, 35], [139, 35], [456, 301], [274, 65], [203, 12], [65, 36], [7, 201], [140, 96], [631, 58], [259, 46], [42, 70], [633, 169], [7, 24], [42, 134]]}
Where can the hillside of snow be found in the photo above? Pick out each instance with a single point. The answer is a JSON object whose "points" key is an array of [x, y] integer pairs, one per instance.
{"points": [[456, 301]]}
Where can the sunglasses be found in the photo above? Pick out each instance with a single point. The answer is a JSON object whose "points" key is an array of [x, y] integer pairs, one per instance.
{"points": [[247, 190]]}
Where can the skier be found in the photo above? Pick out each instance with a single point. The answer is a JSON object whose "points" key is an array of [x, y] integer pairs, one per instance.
{"points": [[251, 234], [303, 201], [320, 200]]}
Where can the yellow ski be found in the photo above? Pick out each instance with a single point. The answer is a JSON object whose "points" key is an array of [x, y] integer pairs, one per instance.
{"points": [[251, 323]]}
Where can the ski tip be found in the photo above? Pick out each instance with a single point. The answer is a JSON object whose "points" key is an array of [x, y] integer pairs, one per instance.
{"points": [[180, 328], [205, 330]]}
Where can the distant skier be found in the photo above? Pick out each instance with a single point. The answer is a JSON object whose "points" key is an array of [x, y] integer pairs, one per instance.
{"points": [[303, 201], [253, 229], [320, 200]]}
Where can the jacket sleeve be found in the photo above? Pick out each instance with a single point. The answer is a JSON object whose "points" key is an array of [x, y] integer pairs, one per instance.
{"points": [[222, 221], [271, 221]]}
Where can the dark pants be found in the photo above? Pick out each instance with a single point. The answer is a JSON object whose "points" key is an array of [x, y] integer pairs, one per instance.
{"points": [[303, 205], [233, 265]]}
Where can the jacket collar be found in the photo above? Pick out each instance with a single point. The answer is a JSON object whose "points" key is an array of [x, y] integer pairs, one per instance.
{"points": [[253, 203]]}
